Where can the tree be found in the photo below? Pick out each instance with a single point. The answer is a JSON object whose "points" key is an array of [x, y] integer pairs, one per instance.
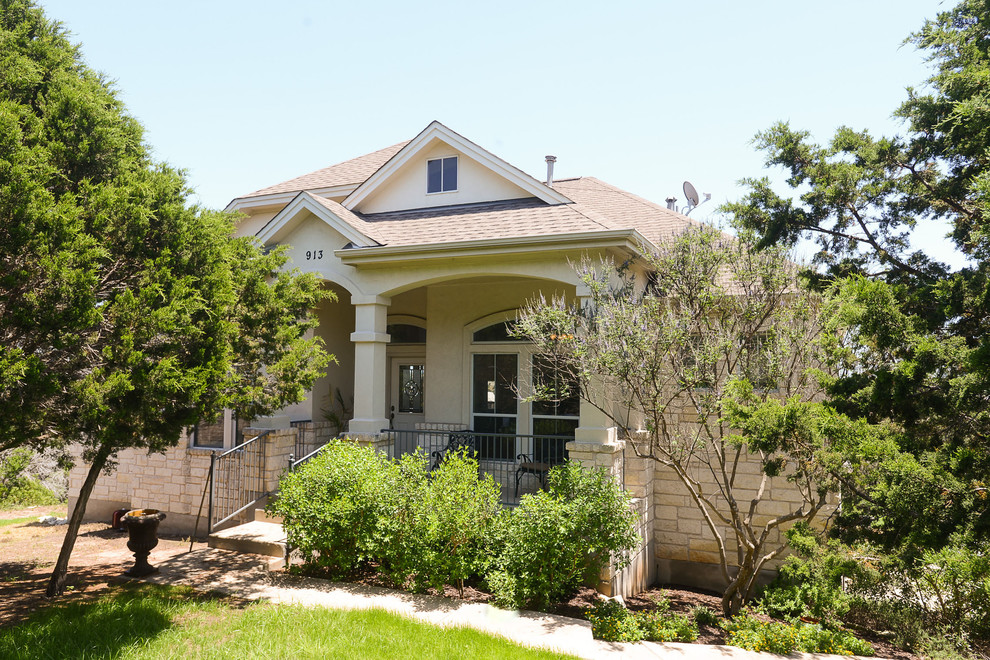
{"points": [[127, 315], [705, 366], [913, 351]]}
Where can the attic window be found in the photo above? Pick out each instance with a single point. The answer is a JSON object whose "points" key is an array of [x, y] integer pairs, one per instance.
{"points": [[441, 174]]}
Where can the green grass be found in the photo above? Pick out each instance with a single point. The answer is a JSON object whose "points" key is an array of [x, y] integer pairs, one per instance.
{"points": [[149, 621], [18, 521]]}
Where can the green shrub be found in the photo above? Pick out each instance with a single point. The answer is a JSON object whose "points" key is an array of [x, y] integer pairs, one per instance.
{"points": [[19, 489], [704, 616], [612, 622], [441, 529], [333, 504], [772, 637], [561, 538], [659, 627], [809, 583], [953, 584]]}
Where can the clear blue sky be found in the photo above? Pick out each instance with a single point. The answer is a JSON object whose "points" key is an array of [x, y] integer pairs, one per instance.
{"points": [[640, 94]]}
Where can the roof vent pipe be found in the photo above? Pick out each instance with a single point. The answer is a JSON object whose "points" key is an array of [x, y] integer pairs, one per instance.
{"points": [[550, 161], [671, 203]]}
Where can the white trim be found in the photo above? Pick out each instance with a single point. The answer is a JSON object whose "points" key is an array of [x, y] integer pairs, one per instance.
{"points": [[304, 201], [463, 145]]}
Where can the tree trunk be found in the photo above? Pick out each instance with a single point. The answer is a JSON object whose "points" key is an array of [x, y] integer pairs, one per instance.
{"points": [[57, 583]]}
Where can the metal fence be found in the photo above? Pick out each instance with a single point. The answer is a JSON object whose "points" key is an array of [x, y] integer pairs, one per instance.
{"points": [[518, 463]]}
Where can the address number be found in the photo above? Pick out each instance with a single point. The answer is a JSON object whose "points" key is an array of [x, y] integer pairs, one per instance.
{"points": [[314, 254]]}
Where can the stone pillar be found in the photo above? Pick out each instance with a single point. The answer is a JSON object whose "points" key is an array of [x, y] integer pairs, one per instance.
{"points": [[370, 340]]}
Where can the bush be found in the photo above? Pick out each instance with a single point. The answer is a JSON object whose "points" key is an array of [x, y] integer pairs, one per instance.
{"points": [[16, 487], [441, 529], [704, 616], [809, 583], [333, 504], [612, 622], [561, 538], [752, 634]]}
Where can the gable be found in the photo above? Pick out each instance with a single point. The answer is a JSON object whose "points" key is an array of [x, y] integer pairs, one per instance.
{"points": [[406, 188], [401, 183]]}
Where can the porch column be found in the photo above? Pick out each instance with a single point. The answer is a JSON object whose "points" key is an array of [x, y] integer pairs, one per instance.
{"points": [[594, 426], [370, 340]]}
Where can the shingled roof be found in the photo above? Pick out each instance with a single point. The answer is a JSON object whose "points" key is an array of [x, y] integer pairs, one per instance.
{"points": [[350, 172], [597, 207]]}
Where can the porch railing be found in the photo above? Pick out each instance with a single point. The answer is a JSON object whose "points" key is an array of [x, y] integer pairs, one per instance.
{"points": [[518, 463], [236, 480]]}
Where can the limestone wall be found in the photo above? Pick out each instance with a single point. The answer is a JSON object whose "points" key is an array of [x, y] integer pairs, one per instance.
{"points": [[173, 482]]}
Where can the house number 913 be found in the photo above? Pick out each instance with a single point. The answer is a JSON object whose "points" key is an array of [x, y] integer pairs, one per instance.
{"points": [[314, 254]]}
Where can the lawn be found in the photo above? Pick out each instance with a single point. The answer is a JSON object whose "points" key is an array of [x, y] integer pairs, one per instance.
{"points": [[151, 621]]}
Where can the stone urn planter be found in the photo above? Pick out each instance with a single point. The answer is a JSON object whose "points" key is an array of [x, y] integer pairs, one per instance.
{"points": [[142, 531]]}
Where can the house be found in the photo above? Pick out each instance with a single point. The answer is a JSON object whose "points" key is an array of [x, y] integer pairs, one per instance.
{"points": [[430, 246]]}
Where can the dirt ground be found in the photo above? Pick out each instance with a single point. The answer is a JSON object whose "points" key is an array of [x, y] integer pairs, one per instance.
{"points": [[28, 552]]}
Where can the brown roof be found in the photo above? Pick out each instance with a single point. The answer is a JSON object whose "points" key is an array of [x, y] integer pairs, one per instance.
{"points": [[597, 207], [350, 172]]}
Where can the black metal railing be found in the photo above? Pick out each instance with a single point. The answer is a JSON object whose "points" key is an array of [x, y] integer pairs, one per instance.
{"points": [[306, 441], [236, 480], [518, 463]]}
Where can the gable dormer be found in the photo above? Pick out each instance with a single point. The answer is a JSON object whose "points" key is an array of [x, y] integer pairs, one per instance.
{"points": [[441, 168]]}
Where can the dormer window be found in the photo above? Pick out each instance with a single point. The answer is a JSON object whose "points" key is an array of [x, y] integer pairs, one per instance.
{"points": [[441, 174]]}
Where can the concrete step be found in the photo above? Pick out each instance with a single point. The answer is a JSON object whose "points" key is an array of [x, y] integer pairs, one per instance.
{"points": [[260, 538], [261, 516]]}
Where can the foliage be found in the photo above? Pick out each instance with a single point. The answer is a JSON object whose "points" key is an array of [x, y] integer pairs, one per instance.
{"points": [[332, 506], [810, 582], [441, 526], [755, 635], [910, 334], [558, 539], [704, 616], [612, 622], [151, 621], [351, 505], [127, 315], [18, 488], [717, 336]]}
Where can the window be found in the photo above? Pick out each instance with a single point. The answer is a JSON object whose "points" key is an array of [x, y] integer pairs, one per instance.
{"points": [[441, 174], [494, 407], [558, 415], [208, 435], [497, 333], [411, 388], [403, 333], [756, 362]]}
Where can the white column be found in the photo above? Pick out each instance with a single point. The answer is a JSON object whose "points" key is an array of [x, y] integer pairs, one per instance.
{"points": [[594, 426], [370, 340]]}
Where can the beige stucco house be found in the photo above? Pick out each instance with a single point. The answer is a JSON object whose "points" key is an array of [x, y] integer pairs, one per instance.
{"points": [[430, 246]]}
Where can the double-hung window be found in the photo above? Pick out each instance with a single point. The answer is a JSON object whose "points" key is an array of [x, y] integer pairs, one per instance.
{"points": [[441, 175]]}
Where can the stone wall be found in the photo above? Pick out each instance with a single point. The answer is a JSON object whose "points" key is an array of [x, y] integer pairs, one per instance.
{"points": [[173, 481]]}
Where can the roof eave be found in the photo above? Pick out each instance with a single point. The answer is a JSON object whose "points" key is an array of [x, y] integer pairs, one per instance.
{"points": [[627, 240]]}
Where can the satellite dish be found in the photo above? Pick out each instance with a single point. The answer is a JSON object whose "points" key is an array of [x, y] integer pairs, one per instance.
{"points": [[691, 194]]}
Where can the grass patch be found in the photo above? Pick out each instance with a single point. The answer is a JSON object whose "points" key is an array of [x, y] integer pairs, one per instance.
{"points": [[20, 521], [151, 621]]}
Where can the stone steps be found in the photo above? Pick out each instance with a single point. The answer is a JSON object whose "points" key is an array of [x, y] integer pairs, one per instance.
{"points": [[255, 537]]}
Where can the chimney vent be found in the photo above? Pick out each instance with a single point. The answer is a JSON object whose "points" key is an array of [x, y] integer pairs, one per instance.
{"points": [[550, 161], [671, 203]]}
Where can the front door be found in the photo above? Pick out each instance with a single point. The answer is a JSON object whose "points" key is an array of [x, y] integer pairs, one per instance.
{"points": [[407, 403]]}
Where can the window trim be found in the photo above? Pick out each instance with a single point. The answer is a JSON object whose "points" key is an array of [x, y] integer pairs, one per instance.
{"points": [[443, 189]]}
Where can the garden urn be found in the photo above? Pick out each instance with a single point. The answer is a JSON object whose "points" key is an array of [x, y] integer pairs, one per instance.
{"points": [[142, 530]]}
